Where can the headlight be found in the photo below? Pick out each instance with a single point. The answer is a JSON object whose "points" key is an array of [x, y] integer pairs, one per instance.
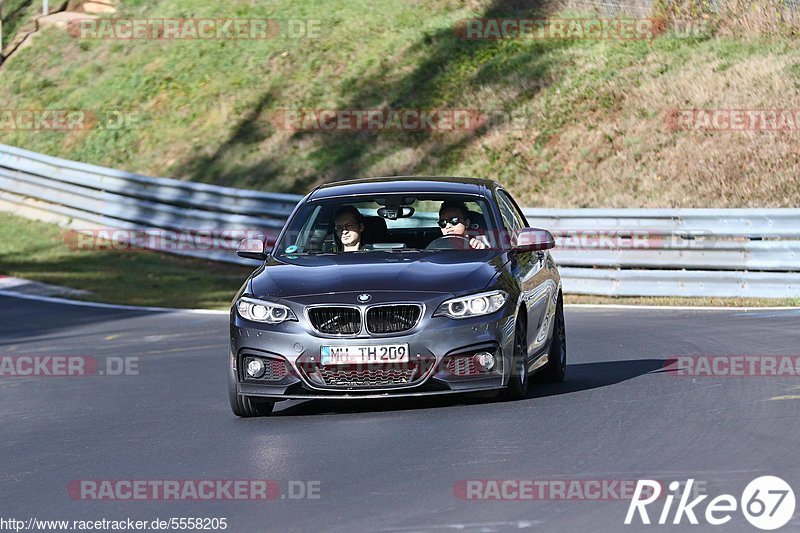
{"points": [[261, 311], [484, 303]]}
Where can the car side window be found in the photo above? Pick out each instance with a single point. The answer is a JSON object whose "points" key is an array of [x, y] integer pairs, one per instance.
{"points": [[518, 214], [511, 219]]}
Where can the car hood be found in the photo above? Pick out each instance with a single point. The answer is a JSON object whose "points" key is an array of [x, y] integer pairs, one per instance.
{"points": [[456, 272]]}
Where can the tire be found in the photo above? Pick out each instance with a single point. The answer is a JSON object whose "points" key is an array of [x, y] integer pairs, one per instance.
{"points": [[246, 406], [556, 367], [519, 382]]}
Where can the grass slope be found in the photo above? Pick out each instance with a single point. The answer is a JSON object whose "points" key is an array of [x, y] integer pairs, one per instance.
{"points": [[594, 135], [38, 251]]}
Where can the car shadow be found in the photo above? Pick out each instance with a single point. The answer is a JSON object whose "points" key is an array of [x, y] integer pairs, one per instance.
{"points": [[580, 377], [587, 376]]}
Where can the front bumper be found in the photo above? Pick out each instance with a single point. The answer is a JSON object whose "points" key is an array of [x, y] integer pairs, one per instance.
{"points": [[434, 345]]}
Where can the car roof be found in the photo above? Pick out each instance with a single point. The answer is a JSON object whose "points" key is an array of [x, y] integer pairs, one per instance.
{"points": [[404, 184]]}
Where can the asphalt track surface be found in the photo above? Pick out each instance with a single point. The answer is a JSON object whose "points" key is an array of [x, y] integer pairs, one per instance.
{"points": [[392, 465]]}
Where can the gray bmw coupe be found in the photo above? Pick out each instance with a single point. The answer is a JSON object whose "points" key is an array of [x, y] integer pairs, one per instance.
{"points": [[402, 286]]}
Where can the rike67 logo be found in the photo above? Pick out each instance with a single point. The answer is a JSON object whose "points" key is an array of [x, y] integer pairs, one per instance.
{"points": [[767, 502]]}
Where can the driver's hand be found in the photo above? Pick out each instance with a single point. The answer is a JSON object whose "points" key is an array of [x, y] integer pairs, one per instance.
{"points": [[478, 245]]}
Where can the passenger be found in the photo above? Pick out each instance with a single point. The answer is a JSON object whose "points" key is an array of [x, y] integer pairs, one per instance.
{"points": [[349, 227], [454, 220]]}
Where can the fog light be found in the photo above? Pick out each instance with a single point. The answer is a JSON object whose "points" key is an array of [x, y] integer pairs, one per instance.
{"points": [[484, 361], [255, 368]]}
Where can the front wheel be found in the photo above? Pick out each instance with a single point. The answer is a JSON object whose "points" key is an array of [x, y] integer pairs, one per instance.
{"points": [[518, 384], [556, 367], [246, 406]]}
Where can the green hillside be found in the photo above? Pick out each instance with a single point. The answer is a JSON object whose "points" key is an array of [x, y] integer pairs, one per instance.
{"points": [[590, 128]]}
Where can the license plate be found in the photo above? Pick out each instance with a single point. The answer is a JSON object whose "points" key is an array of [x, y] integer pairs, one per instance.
{"points": [[353, 355]]}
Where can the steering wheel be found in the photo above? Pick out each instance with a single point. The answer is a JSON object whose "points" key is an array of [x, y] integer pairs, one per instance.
{"points": [[450, 242]]}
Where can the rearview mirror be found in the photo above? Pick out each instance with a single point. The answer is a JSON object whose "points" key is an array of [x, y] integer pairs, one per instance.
{"points": [[395, 212], [532, 240], [252, 249]]}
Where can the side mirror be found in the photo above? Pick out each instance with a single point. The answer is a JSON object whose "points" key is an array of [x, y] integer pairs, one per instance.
{"points": [[252, 249], [532, 240]]}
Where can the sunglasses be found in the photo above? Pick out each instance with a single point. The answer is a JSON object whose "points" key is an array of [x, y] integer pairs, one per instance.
{"points": [[443, 222], [345, 227]]}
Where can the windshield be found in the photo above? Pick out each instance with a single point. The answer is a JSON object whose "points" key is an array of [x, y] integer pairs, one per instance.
{"points": [[390, 223]]}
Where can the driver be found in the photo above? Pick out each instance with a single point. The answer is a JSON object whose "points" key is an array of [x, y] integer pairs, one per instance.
{"points": [[454, 220], [349, 227]]}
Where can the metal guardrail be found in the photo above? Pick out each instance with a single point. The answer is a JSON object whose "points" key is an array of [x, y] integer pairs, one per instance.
{"points": [[676, 252], [83, 197], [745, 223], [615, 252], [692, 239]]}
